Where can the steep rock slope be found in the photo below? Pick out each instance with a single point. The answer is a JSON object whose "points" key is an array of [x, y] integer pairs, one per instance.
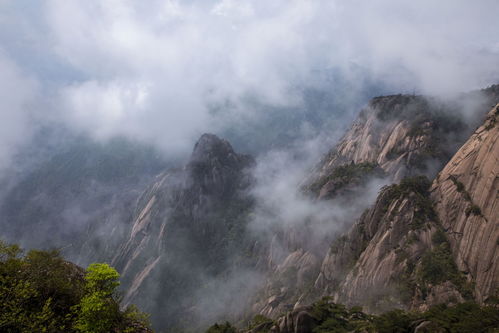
{"points": [[414, 248], [188, 227], [405, 135], [386, 259], [466, 194]]}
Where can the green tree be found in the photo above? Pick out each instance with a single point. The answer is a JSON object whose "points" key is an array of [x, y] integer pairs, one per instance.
{"points": [[98, 311]]}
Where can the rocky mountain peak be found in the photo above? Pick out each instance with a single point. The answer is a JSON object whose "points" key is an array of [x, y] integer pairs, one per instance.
{"points": [[196, 214], [214, 168], [209, 147]]}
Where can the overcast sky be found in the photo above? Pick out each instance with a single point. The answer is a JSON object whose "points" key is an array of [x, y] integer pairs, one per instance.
{"points": [[153, 69]]}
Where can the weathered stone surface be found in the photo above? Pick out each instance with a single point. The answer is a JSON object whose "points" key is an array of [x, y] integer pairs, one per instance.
{"points": [[466, 196], [403, 135], [369, 266], [397, 133]]}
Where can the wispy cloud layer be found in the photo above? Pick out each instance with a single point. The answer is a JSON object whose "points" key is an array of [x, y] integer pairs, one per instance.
{"points": [[157, 70]]}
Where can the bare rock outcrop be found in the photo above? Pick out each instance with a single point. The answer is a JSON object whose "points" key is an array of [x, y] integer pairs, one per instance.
{"points": [[417, 248], [403, 135], [400, 133], [466, 193], [380, 263]]}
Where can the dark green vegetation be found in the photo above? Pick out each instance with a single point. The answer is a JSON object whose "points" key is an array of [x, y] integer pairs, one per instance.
{"points": [[222, 328], [329, 317], [438, 266], [348, 174], [472, 208], [492, 120], [418, 190], [41, 292]]}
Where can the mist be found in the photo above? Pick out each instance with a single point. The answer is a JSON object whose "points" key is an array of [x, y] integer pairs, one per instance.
{"points": [[164, 72]]}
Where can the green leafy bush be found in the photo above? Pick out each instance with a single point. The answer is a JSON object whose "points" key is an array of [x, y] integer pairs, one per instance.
{"points": [[343, 175], [42, 292]]}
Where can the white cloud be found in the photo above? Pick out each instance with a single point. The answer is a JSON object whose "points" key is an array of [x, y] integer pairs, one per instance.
{"points": [[17, 94], [151, 68]]}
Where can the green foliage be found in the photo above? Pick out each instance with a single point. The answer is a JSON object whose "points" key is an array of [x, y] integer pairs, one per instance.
{"points": [[41, 292], [396, 321], [8, 251], [37, 290], [438, 266], [347, 174], [135, 319], [464, 318], [102, 278], [418, 187], [97, 313], [330, 317], [472, 208], [259, 320], [222, 328], [439, 237], [336, 318], [260, 324]]}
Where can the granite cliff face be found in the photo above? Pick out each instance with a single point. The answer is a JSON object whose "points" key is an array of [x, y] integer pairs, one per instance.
{"points": [[412, 248], [405, 135], [422, 243], [385, 260], [466, 200], [188, 226]]}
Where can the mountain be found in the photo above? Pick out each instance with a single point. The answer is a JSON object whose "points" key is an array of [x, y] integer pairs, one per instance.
{"points": [[78, 197], [407, 134], [417, 245], [401, 139], [420, 245], [191, 229], [389, 218], [188, 227]]}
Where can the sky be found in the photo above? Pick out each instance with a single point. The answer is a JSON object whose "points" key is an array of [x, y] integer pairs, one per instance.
{"points": [[157, 71]]}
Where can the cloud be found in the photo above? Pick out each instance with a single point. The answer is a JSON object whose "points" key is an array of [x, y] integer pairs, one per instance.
{"points": [[17, 95], [155, 70], [283, 206]]}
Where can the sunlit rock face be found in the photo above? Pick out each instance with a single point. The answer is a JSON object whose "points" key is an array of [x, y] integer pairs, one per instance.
{"points": [[466, 200], [380, 261]]}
